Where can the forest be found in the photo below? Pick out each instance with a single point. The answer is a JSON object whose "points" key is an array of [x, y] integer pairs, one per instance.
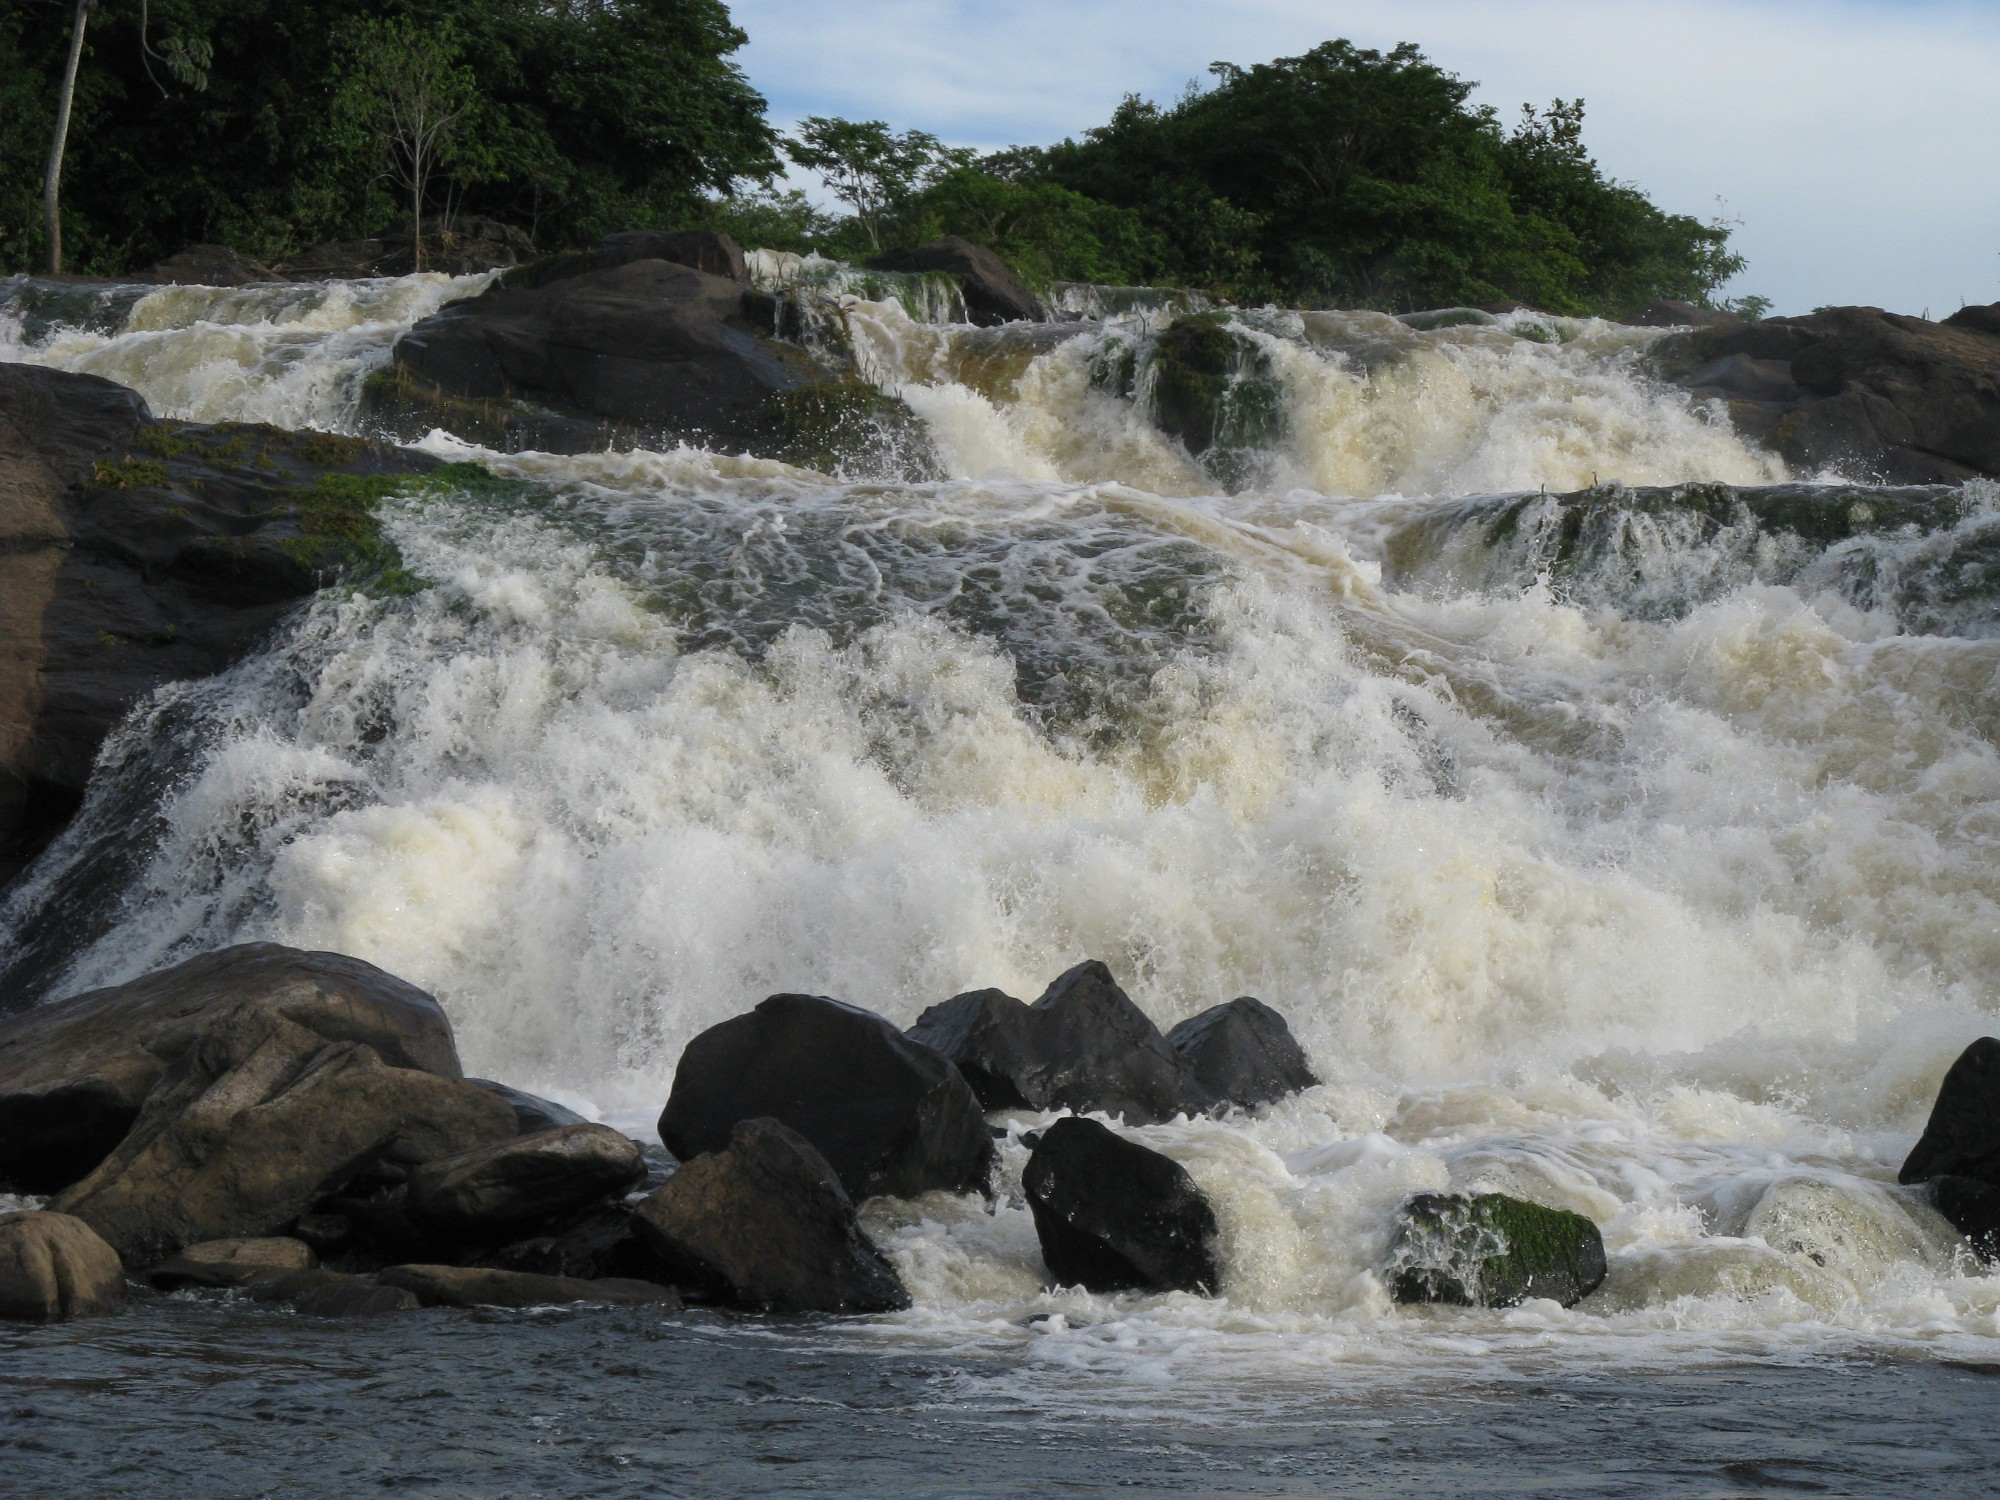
{"points": [[1342, 177]]}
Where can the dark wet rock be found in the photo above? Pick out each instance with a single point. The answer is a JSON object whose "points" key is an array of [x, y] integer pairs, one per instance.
{"points": [[256, 1122], [208, 265], [992, 293], [532, 1114], [334, 1294], [1492, 1250], [1242, 1053], [74, 1073], [766, 1224], [1880, 396], [53, 1266], [1962, 1136], [599, 1243], [645, 351], [479, 1286], [706, 250], [229, 1263], [889, 1114], [1973, 1209], [135, 552], [1115, 1216], [328, 1234], [1432, 320], [1082, 1046], [379, 1229], [459, 246], [1213, 389], [1669, 313], [493, 1192]]}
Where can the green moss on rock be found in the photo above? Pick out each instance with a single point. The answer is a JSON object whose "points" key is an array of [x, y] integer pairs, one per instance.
{"points": [[1492, 1250], [1212, 387]]}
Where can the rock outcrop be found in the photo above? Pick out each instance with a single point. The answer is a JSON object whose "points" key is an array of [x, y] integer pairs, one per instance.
{"points": [[74, 1073], [496, 1192], [474, 1286], [1869, 393], [1114, 1216], [766, 1224], [459, 246], [135, 552], [992, 293], [208, 265], [647, 350], [598, 1243], [1242, 1053], [705, 250], [232, 1263], [532, 1114], [1492, 1250], [1082, 1046], [53, 1266], [889, 1114], [258, 1120]]}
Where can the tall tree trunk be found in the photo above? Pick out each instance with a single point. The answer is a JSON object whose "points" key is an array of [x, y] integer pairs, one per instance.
{"points": [[52, 187]]}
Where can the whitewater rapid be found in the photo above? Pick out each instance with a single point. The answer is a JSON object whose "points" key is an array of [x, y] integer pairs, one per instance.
{"points": [[1656, 883]]}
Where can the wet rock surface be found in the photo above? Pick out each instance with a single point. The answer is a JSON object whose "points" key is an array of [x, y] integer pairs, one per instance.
{"points": [[53, 1266], [1872, 394], [493, 1192], [229, 1263], [1113, 1215], [478, 1286], [333, 1294], [1242, 1053], [532, 1115], [992, 293], [1492, 1250], [889, 1114], [258, 1120], [135, 552], [1962, 1136], [74, 1073], [766, 1224], [705, 250]]}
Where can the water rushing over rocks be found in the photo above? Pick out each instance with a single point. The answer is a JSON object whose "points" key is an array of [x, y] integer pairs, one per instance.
{"points": [[1611, 813]]}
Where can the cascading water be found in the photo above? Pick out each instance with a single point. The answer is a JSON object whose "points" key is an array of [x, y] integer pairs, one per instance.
{"points": [[1631, 852]]}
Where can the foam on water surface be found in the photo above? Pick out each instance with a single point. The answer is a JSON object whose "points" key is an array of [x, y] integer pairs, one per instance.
{"points": [[1662, 892]]}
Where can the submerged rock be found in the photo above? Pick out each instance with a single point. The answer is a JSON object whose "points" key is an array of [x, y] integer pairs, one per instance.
{"points": [[1962, 1136], [1082, 1046], [53, 1266], [227, 1263], [1242, 1053], [767, 1224], [889, 1114], [1492, 1250], [498, 1190], [258, 1120], [1114, 1216], [74, 1074], [479, 1286], [1900, 399], [992, 293]]}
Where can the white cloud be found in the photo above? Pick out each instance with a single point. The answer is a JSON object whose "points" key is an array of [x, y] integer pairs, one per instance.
{"points": [[1858, 143]]}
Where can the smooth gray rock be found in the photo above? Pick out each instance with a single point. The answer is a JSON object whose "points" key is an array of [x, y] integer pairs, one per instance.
{"points": [[493, 1192], [53, 1266], [229, 1263], [532, 1114]]}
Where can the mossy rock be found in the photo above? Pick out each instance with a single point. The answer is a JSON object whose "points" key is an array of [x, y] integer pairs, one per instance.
{"points": [[849, 429], [1211, 387], [1492, 1250]]}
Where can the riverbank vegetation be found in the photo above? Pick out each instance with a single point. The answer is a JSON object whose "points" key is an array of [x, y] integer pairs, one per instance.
{"points": [[1344, 176]]}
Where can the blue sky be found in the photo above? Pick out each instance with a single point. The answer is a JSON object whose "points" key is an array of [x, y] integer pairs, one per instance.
{"points": [[1856, 141]]}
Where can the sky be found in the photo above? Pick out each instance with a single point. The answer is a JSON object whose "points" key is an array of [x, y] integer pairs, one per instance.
{"points": [[1856, 143]]}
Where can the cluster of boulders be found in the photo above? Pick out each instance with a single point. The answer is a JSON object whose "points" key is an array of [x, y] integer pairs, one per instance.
{"points": [[297, 1125]]}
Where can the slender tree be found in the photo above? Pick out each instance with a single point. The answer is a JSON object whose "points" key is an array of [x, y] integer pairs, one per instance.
{"points": [[869, 167], [186, 60]]}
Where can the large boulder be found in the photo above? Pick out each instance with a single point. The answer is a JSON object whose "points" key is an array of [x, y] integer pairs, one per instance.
{"points": [[1114, 1216], [478, 1286], [1883, 397], [766, 1224], [258, 1120], [73, 1074], [53, 1266], [889, 1114], [598, 1243], [1973, 1209], [230, 1263], [1242, 1053], [993, 294], [135, 552], [1962, 1136], [1082, 1046], [1492, 1250], [495, 1192], [532, 1114], [706, 250], [644, 351]]}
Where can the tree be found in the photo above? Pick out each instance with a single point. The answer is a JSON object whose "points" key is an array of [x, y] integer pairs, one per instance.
{"points": [[406, 88], [870, 168], [186, 60]]}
